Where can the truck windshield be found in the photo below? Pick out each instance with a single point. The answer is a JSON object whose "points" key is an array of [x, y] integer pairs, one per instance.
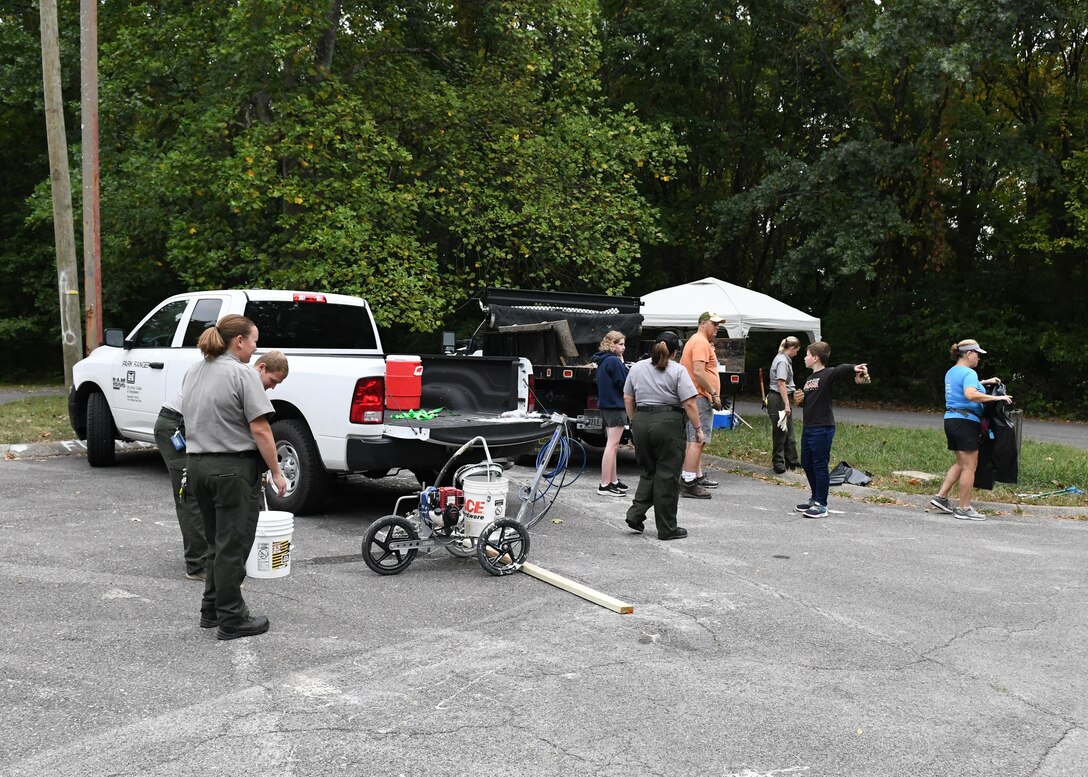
{"points": [[316, 325]]}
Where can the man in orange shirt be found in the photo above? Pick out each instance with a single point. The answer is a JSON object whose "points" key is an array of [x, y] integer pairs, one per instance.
{"points": [[702, 365]]}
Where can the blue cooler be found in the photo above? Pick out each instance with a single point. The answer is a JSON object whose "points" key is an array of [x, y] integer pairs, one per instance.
{"points": [[724, 419]]}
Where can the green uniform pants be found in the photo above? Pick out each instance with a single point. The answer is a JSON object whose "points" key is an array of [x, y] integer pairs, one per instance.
{"points": [[783, 443], [659, 437], [194, 546], [227, 488]]}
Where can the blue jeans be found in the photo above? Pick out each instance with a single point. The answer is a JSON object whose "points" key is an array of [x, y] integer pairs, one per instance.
{"points": [[815, 457]]}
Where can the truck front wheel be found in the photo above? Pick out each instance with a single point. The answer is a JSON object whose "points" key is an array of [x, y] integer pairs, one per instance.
{"points": [[300, 462], [100, 450]]}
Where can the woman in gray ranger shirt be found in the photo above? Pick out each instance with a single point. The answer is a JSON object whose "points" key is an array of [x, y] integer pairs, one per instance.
{"points": [[657, 395], [228, 436], [783, 443]]}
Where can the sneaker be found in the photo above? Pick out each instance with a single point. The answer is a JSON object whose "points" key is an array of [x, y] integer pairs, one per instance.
{"points": [[817, 510], [805, 505], [619, 485], [706, 482], [195, 575], [970, 514], [942, 503], [693, 490], [609, 490]]}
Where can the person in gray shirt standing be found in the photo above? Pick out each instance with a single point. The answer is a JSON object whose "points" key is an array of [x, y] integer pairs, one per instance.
{"points": [[170, 440], [783, 443], [226, 414], [657, 395]]}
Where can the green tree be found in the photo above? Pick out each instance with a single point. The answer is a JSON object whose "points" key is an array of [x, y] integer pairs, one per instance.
{"points": [[408, 152], [901, 169], [29, 317]]}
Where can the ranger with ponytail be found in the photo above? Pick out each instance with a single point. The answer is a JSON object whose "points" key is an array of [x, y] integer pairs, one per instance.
{"points": [[230, 446]]}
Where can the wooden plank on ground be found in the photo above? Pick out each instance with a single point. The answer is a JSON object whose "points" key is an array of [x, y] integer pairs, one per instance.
{"points": [[587, 593]]}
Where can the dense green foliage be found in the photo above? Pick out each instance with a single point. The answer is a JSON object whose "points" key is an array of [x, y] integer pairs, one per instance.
{"points": [[912, 172]]}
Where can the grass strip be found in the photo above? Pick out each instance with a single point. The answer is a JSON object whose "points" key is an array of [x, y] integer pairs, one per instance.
{"points": [[883, 450], [880, 450], [35, 419]]}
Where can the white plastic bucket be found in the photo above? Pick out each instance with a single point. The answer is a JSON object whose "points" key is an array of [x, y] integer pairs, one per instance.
{"points": [[271, 552], [485, 501]]}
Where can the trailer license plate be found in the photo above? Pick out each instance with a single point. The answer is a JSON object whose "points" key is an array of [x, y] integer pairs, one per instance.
{"points": [[589, 422]]}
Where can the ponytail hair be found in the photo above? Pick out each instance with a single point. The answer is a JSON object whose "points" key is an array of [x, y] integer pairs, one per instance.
{"points": [[789, 342], [215, 340], [660, 356], [666, 344]]}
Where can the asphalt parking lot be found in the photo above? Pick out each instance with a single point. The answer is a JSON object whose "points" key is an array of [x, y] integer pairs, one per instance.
{"points": [[884, 640]]}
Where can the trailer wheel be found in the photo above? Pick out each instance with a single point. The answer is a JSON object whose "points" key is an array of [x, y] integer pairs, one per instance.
{"points": [[100, 449], [376, 551], [502, 547], [300, 462]]}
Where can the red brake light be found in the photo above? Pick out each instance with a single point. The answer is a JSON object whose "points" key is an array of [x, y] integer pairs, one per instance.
{"points": [[308, 297], [368, 401], [532, 394]]}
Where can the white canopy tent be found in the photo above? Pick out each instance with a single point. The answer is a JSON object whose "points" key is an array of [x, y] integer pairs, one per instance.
{"points": [[744, 310]]}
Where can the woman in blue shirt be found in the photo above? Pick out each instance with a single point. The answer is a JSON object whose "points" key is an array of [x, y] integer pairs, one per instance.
{"points": [[963, 398], [611, 375]]}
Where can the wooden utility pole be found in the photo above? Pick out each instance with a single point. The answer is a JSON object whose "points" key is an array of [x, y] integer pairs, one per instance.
{"points": [[63, 227], [92, 231]]}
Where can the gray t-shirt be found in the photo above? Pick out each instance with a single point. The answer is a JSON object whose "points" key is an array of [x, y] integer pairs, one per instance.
{"points": [[649, 386], [219, 399], [782, 369]]}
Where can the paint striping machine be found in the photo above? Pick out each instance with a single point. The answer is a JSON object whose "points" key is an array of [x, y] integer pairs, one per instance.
{"points": [[469, 517]]}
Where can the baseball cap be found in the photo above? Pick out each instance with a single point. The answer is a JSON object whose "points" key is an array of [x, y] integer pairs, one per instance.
{"points": [[708, 316], [670, 339]]}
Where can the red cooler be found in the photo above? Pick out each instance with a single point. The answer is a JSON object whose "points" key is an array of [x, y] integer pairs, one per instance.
{"points": [[403, 382]]}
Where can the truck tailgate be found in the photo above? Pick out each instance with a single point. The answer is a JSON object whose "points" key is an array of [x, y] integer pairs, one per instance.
{"points": [[430, 443]]}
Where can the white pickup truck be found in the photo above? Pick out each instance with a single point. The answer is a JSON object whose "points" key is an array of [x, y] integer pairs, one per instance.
{"points": [[330, 417]]}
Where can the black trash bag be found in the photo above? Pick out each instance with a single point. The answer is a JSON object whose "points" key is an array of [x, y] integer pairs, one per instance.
{"points": [[844, 474], [999, 442]]}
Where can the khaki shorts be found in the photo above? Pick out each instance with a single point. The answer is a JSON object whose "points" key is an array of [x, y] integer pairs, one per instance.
{"points": [[706, 420]]}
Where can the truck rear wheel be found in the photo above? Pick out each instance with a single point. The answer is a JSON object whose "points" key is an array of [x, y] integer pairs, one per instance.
{"points": [[307, 481], [100, 449]]}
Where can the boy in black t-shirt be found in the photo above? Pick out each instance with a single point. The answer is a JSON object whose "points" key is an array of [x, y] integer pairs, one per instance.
{"points": [[819, 423]]}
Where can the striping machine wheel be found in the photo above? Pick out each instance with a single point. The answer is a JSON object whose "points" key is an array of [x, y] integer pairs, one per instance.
{"points": [[502, 547], [377, 551]]}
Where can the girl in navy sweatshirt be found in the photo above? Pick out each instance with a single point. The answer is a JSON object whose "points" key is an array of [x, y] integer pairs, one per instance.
{"points": [[611, 375]]}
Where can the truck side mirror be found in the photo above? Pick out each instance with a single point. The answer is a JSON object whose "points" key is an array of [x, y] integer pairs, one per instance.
{"points": [[449, 343], [115, 338]]}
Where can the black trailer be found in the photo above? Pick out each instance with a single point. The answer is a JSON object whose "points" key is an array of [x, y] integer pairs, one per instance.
{"points": [[559, 333]]}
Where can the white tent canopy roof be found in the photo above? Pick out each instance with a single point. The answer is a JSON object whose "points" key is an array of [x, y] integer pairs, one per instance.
{"points": [[744, 310]]}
